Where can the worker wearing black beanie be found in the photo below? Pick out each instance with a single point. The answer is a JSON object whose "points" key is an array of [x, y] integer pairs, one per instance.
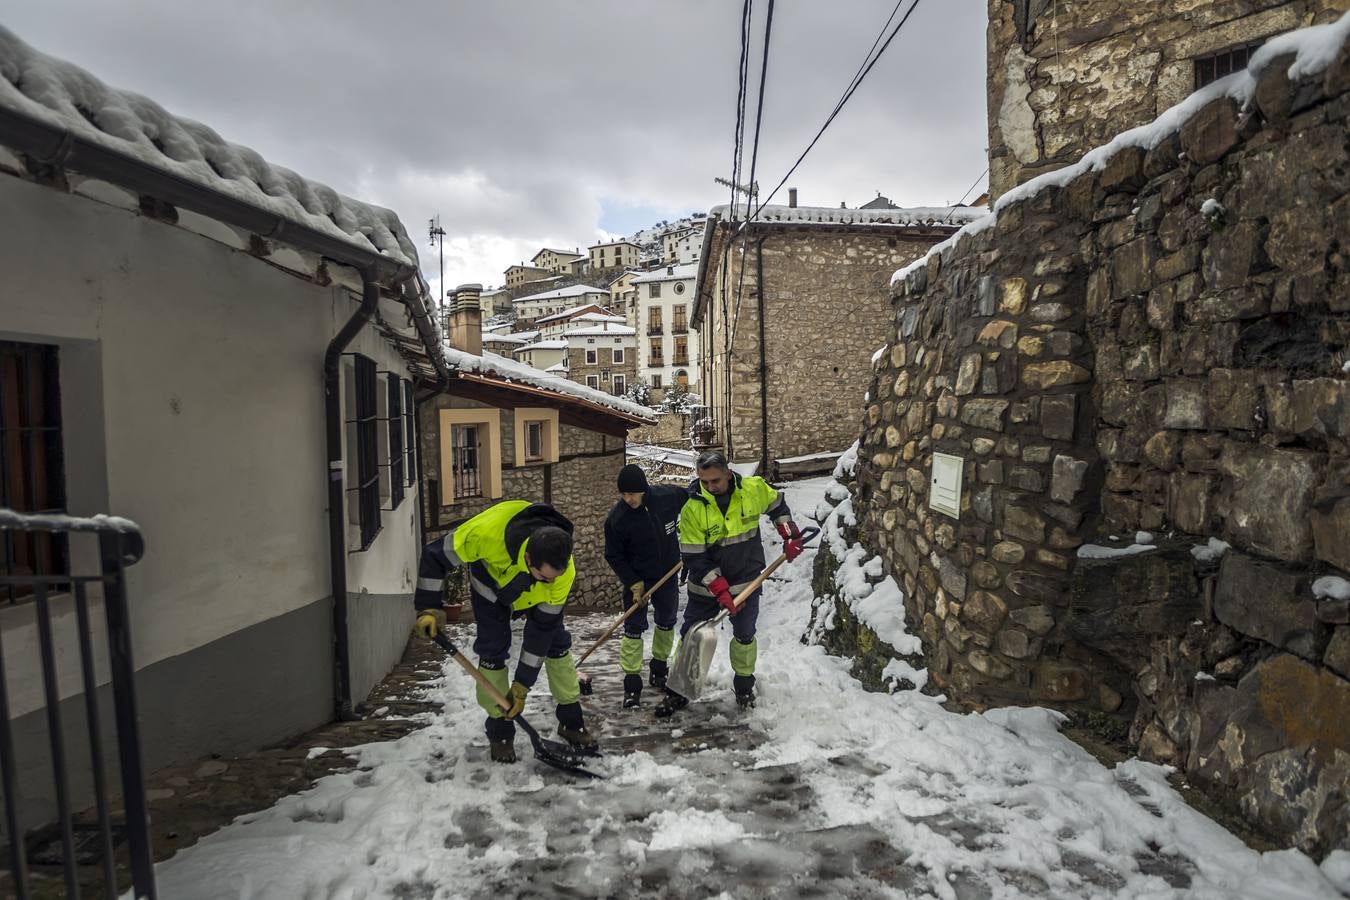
{"points": [[642, 544]]}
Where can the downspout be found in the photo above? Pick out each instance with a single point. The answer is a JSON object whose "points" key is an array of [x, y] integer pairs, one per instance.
{"points": [[337, 527], [763, 361]]}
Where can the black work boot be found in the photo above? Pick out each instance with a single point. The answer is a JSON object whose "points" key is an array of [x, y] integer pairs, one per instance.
{"points": [[572, 729], [744, 686], [659, 672], [501, 735], [632, 691], [671, 704]]}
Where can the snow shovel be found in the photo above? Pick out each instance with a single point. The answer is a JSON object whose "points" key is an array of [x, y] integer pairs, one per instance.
{"points": [[689, 671], [637, 604], [550, 753]]}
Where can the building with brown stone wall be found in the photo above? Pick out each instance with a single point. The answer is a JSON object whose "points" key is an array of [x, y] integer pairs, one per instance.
{"points": [[779, 372], [1066, 77], [1107, 447], [603, 357]]}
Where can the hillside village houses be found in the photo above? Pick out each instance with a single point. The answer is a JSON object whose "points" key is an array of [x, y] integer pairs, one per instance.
{"points": [[556, 324], [532, 307], [247, 366], [614, 255], [546, 354], [667, 347], [621, 292], [559, 262], [681, 245], [519, 274]]}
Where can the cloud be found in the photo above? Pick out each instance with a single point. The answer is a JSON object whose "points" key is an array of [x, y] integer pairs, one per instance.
{"points": [[531, 123]]}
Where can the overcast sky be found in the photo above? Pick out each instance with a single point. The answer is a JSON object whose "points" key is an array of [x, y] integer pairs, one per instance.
{"points": [[526, 124]]}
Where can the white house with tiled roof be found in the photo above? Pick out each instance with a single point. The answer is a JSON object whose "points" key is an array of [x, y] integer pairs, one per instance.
{"points": [[548, 303], [557, 261]]}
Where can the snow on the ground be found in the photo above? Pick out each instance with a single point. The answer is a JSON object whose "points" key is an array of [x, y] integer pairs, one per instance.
{"points": [[1210, 550], [995, 805], [1331, 586]]}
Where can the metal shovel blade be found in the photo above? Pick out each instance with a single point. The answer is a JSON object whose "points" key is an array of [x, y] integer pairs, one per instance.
{"points": [[556, 753], [689, 672]]}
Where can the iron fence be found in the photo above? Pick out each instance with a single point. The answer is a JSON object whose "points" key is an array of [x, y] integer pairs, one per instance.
{"points": [[119, 545]]}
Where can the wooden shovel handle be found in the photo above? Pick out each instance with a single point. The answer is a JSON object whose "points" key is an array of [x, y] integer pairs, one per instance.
{"points": [[646, 595], [497, 696], [806, 535]]}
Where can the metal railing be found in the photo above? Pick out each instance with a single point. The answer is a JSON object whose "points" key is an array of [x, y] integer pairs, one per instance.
{"points": [[119, 545]]}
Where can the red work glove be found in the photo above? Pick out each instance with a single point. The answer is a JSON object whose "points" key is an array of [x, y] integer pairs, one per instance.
{"points": [[722, 591], [792, 539]]}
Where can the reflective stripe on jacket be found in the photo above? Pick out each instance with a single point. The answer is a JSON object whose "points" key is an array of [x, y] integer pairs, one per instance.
{"points": [[727, 545]]}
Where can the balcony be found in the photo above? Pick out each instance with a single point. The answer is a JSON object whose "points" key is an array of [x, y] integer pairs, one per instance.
{"points": [[656, 362], [679, 328], [655, 330], [681, 361]]}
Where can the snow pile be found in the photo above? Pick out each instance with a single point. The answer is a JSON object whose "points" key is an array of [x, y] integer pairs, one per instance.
{"points": [[1097, 551], [1210, 551], [1314, 48], [56, 522], [67, 97], [1331, 586], [495, 366], [575, 290]]}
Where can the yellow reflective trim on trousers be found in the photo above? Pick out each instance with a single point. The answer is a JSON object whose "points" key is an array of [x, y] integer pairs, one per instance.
{"points": [[630, 655], [563, 683], [500, 682]]}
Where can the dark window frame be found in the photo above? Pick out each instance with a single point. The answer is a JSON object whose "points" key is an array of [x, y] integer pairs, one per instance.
{"points": [[394, 391], [410, 431], [32, 459], [367, 422], [1213, 66]]}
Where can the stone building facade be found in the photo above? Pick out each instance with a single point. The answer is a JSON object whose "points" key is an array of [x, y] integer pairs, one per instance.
{"points": [[783, 389], [1155, 341], [1066, 77], [603, 358]]}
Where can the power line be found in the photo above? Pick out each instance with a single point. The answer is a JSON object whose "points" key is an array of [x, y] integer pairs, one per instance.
{"points": [[972, 187], [865, 69]]}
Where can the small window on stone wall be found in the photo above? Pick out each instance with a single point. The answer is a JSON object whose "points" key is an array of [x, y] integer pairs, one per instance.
{"points": [[1211, 68]]}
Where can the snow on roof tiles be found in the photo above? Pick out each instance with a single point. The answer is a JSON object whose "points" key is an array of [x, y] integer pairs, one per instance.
{"points": [[495, 366], [906, 217], [558, 344], [611, 331], [66, 96], [576, 290], [688, 270]]}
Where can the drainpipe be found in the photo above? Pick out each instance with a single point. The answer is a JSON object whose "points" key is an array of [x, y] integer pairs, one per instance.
{"points": [[337, 526], [763, 362]]}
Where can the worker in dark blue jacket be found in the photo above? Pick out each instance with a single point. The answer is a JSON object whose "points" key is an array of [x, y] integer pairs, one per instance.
{"points": [[642, 543]]}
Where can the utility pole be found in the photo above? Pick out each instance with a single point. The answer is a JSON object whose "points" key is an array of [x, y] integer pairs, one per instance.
{"points": [[437, 234]]}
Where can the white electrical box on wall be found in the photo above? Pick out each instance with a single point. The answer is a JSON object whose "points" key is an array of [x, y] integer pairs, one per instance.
{"points": [[944, 494]]}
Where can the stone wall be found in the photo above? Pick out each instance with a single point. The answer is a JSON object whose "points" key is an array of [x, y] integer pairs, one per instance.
{"points": [[825, 314], [670, 430], [1066, 77], [1157, 345], [581, 485], [578, 368]]}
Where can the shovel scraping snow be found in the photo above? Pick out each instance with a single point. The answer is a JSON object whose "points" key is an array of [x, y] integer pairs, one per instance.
{"points": [[550, 753], [693, 659]]}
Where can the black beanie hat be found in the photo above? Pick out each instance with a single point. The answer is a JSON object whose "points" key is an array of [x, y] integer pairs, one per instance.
{"points": [[632, 480]]}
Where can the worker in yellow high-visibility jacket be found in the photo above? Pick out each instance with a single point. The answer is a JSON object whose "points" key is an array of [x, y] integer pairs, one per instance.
{"points": [[519, 557]]}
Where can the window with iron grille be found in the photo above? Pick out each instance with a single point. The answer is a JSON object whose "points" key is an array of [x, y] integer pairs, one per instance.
{"points": [[394, 388], [465, 461], [534, 440], [1217, 65], [32, 470], [367, 423], [409, 433]]}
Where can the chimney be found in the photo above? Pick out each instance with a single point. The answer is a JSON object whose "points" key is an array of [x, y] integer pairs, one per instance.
{"points": [[792, 198], [843, 205], [466, 319]]}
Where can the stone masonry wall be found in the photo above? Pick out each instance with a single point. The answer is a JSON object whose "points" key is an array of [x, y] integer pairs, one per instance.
{"points": [[1066, 77], [581, 485], [578, 368], [1159, 345]]}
